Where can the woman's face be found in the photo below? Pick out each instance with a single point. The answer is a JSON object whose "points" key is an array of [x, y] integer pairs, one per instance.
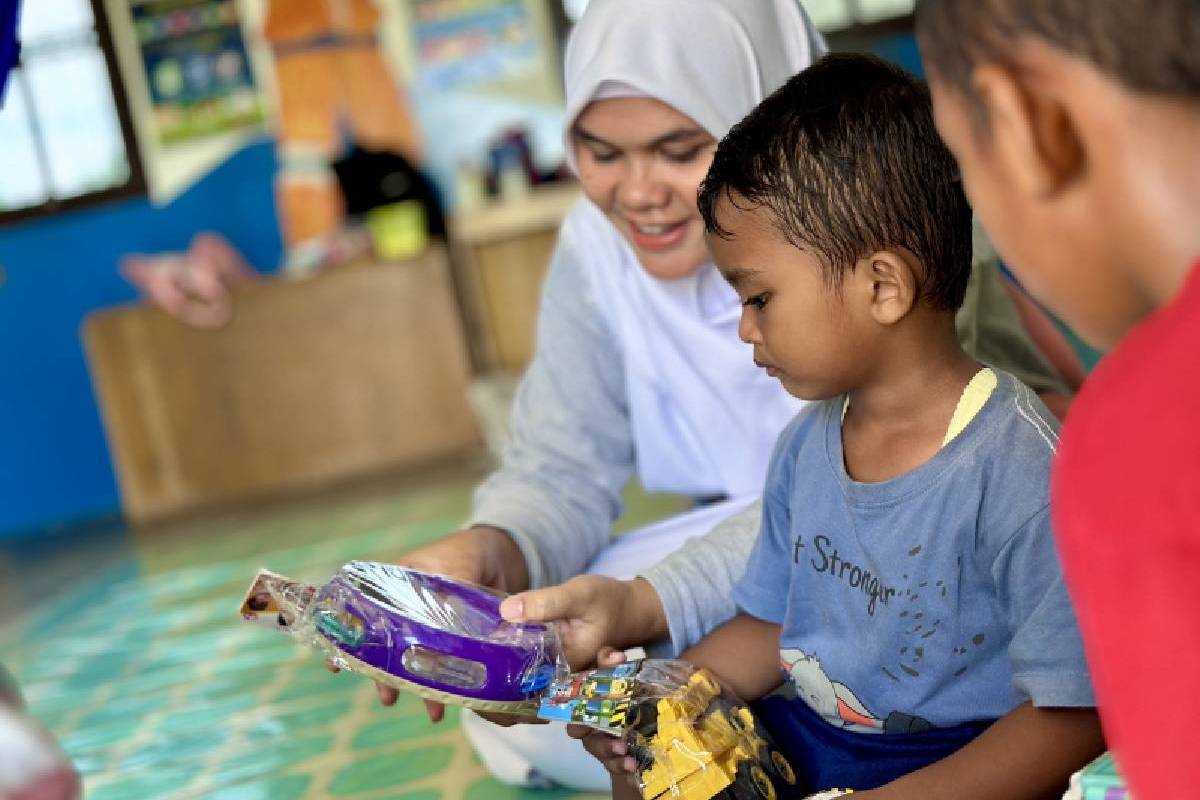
{"points": [[641, 162]]}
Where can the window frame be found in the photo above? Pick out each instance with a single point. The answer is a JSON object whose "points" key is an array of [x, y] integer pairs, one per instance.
{"points": [[135, 186]]}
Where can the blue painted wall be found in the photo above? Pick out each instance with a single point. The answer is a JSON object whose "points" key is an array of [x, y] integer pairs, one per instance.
{"points": [[902, 50], [54, 462], [55, 469]]}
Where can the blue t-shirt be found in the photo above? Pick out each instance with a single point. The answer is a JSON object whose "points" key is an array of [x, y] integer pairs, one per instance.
{"points": [[924, 601]]}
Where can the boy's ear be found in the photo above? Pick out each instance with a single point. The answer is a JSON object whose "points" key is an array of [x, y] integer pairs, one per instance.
{"points": [[1033, 135], [892, 282]]}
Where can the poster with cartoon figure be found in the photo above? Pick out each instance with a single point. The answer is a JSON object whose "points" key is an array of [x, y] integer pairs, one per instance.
{"points": [[837, 702], [197, 68], [462, 44]]}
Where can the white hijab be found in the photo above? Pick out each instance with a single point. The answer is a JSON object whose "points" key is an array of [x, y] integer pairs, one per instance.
{"points": [[704, 418]]}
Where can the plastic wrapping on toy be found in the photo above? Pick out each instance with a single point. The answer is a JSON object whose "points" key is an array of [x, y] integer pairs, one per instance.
{"points": [[438, 637], [692, 739]]}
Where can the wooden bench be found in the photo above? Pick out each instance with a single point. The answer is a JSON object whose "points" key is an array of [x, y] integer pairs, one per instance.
{"points": [[360, 369]]}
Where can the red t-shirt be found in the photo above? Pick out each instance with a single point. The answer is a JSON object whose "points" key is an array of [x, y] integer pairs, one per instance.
{"points": [[1126, 510]]}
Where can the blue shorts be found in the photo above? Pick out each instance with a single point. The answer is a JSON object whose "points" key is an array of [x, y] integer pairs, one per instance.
{"points": [[825, 757]]}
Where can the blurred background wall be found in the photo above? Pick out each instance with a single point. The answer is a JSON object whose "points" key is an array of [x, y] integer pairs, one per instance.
{"points": [[92, 179]]}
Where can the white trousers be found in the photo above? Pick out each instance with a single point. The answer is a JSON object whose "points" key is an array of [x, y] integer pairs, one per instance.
{"points": [[543, 755]]}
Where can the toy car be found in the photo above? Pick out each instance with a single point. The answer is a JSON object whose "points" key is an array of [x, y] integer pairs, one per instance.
{"points": [[694, 745]]}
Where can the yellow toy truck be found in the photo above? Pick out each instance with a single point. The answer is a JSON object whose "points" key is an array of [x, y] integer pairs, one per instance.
{"points": [[695, 745]]}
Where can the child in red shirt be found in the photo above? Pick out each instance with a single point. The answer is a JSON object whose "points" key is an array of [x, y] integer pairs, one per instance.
{"points": [[1076, 125]]}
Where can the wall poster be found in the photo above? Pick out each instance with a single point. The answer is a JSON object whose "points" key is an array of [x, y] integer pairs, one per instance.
{"points": [[197, 68], [465, 43]]}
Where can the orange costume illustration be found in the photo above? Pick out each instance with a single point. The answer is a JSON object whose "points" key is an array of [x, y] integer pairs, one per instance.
{"points": [[332, 78]]}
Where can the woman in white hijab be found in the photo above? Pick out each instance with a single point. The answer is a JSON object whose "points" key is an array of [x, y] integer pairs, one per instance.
{"points": [[638, 365]]}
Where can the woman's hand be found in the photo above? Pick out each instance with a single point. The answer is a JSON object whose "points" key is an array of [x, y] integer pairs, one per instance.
{"points": [[609, 750], [484, 555], [593, 613]]}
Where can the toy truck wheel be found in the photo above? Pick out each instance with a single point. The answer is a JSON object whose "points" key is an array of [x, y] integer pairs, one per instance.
{"points": [[642, 753], [752, 783], [762, 782], [783, 767], [644, 718]]}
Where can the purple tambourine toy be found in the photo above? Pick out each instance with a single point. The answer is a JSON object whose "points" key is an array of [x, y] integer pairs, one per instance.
{"points": [[440, 638]]}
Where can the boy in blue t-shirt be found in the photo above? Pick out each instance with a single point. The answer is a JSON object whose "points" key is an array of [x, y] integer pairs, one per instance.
{"points": [[905, 577]]}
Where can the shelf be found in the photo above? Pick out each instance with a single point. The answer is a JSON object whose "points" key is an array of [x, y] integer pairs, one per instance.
{"points": [[544, 207]]}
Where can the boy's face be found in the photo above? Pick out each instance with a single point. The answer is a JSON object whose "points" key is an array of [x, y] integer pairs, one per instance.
{"points": [[803, 331], [1042, 219]]}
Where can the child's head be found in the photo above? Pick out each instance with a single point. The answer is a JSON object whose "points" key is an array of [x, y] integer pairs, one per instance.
{"points": [[1075, 124], [836, 212]]}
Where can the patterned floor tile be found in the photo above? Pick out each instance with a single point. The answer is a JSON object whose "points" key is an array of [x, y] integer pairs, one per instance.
{"points": [[282, 787], [390, 770], [157, 691]]}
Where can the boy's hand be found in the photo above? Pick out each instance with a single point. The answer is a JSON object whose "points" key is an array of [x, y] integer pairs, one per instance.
{"points": [[609, 750], [594, 614]]}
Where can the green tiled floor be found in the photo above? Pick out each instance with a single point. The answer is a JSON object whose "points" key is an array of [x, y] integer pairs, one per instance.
{"points": [[140, 666]]}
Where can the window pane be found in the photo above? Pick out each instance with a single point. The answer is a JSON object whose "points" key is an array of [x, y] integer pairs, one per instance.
{"points": [[52, 19], [875, 10], [79, 125], [22, 185], [829, 15]]}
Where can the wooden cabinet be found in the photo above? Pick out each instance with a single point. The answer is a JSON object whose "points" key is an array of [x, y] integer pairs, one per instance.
{"points": [[314, 381], [503, 251]]}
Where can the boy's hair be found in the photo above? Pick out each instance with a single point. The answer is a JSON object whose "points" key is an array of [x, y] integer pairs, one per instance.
{"points": [[846, 158], [1149, 45]]}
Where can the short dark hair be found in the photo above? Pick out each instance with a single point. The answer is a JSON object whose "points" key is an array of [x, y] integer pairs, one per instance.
{"points": [[846, 158], [1149, 45]]}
